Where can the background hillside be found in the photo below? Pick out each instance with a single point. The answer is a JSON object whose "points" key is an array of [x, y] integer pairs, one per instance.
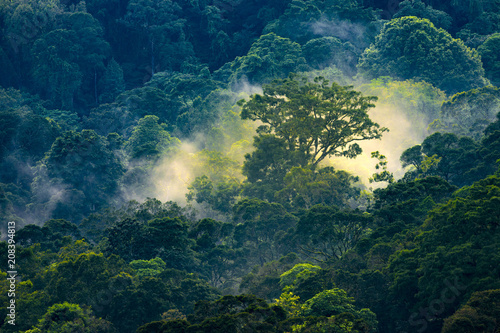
{"points": [[250, 166]]}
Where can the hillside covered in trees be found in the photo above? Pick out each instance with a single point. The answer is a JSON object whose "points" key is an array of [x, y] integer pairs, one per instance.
{"points": [[250, 166]]}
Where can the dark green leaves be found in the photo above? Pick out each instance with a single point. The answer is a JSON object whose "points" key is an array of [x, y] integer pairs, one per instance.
{"points": [[327, 233], [410, 47]]}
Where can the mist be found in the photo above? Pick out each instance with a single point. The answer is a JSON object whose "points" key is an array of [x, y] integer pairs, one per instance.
{"points": [[402, 134], [342, 29], [406, 120], [172, 176], [232, 138], [406, 108]]}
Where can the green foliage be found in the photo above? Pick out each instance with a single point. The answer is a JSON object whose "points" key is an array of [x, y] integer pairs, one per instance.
{"points": [[94, 225], [144, 101], [330, 51], [305, 188], [112, 83], [469, 112], [110, 118], [52, 235], [339, 324], [455, 248], [10, 121], [303, 21], [266, 167], [412, 157], [160, 32], [209, 233], [7, 71], [35, 135], [6, 207], [326, 233], [330, 302], [489, 52], [193, 99], [23, 12], [295, 21], [66, 317], [150, 140], [165, 238], [479, 314], [261, 229], [219, 185], [219, 262], [264, 281], [25, 134], [221, 198], [412, 48], [462, 13], [23, 22], [84, 161], [383, 175], [24, 139], [146, 299], [91, 120], [458, 160], [418, 8], [231, 312], [66, 120], [419, 101], [315, 119], [77, 50], [409, 201], [343, 316], [32, 306], [150, 267], [216, 166], [298, 271], [480, 28], [290, 303], [455, 155], [489, 149], [312, 282], [270, 57], [170, 326], [76, 280], [188, 289]]}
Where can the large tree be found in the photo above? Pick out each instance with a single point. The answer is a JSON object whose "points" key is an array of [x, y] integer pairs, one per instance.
{"points": [[271, 56], [317, 119], [419, 9], [150, 140], [413, 48], [86, 162]]}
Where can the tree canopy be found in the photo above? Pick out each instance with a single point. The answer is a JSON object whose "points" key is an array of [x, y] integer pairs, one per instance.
{"points": [[195, 166], [413, 48], [315, 119]]}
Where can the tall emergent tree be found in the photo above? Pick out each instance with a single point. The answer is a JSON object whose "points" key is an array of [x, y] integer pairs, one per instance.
{"points": [[314, 119]]}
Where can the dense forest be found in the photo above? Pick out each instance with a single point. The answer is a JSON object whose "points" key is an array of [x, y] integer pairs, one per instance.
{"points": [[250, 166]]}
